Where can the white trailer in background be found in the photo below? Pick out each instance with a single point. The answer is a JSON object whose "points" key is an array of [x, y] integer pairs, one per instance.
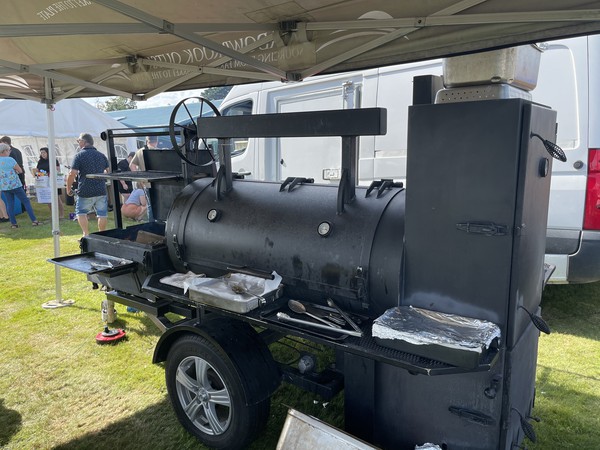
{"points": [[568, 81]]}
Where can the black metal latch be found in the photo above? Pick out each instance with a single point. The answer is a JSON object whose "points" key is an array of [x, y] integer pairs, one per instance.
{"points": [[382, 185], [472, 415], [486, 228]]}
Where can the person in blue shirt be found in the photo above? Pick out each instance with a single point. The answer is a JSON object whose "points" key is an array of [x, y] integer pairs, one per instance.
{"points": [[12, 187], [16, 154], [135, 206], [91, 192]]}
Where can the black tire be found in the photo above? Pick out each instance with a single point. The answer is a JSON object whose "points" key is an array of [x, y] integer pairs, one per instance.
{"points": [[196, 371]]}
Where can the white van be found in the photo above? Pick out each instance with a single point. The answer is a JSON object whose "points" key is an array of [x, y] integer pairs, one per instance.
{"points": [[569, 82]]}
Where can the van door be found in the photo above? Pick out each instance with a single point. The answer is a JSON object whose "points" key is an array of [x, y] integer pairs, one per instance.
{"points": [[562, 85], [317, 158], [243, 153]]}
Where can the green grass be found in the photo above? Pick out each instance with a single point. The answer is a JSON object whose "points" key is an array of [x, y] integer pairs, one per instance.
{"points": [[568, 372], [60, 390]]}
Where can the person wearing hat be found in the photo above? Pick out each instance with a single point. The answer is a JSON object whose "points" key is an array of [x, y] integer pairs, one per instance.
{"points": [[125, 187]]}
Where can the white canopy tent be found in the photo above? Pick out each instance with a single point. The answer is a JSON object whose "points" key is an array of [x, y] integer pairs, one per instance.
{"points": [[52, 50], [139, 48], [26, 123]]}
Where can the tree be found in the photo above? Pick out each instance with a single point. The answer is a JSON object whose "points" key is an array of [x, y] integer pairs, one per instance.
{"points": [[117, 104], [216, 93]]}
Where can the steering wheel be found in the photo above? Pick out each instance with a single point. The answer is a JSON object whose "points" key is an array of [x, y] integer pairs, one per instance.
{"points": [[183, 119]]}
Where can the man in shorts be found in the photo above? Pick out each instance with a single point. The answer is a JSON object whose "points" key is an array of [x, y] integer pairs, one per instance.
{"points": [[91, 193]]}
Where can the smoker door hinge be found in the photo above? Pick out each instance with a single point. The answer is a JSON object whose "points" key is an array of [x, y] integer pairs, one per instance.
{"points": [[178, 248], [147, 262], [472, 415], [360, 282], [485, 228]]}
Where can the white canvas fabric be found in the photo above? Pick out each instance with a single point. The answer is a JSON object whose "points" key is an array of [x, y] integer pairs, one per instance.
{"points": [[26, 124], [139, 48]]}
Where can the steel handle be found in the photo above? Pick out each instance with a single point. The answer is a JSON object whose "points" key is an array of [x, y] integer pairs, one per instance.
{"points": [[286, 318], [325, 321]]}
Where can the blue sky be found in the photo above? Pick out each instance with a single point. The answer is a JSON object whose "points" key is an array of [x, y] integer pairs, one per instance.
{"points": [[165, 99]]}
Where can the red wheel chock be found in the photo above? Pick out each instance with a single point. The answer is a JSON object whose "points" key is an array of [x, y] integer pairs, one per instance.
{"points": [[110, 336]]}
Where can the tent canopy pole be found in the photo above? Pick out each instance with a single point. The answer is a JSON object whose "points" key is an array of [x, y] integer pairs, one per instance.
{"points": [[58, 302]]}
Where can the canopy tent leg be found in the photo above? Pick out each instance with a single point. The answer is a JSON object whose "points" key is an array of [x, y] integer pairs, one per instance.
{"points": [[58, 302]]}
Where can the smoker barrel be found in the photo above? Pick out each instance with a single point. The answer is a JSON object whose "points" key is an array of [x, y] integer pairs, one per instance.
{"points": [[357, 262]]}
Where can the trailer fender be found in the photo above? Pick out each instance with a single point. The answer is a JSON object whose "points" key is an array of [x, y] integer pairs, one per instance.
{"points": [[242, 345]]}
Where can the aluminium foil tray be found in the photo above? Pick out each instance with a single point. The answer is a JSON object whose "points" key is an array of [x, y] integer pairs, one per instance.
{"points": [[457, 340], [217, 292]]}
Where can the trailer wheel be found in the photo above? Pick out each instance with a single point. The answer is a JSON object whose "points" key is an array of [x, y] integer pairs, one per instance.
{"points": [[208, 396]]}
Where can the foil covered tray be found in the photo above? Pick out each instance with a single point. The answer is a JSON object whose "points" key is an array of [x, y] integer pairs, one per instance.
{"points": [[235, 292], [449, 338]]}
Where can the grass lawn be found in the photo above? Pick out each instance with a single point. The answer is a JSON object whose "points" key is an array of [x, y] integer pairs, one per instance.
{"points": [[60, 390]]}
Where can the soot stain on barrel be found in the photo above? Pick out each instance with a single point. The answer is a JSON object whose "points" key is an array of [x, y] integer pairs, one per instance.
{"points": [[269, 243], [297, 266], [330, 274]]}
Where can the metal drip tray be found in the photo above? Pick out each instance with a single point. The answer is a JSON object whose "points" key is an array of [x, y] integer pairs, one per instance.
{"points": [[484, 92], [94, 262]]}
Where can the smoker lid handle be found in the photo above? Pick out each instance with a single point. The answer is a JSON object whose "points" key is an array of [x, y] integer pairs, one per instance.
{"points": [[251, 272]]}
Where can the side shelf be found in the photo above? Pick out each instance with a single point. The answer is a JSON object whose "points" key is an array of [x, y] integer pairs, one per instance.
{"points": [[266, 317], [148, 176]]}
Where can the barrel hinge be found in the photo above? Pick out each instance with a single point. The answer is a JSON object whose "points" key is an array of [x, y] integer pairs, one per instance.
{"points": [[178, 248], [147, 262], [360, 283]]}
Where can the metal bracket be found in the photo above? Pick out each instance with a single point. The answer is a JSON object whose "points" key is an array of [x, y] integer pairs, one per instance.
{"points": [[382, 185], [342, 197], [492, 391], [292, 182]]}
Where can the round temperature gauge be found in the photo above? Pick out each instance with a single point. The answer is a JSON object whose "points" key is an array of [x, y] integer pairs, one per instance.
{"points": [[324, 229], [213, 215]]}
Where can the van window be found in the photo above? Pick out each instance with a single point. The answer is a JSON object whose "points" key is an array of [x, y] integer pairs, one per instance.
{"points": [[557, 88], [239, 109]]}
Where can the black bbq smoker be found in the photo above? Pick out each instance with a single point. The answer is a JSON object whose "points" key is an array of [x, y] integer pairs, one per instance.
{"points": [[429, 295]]}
